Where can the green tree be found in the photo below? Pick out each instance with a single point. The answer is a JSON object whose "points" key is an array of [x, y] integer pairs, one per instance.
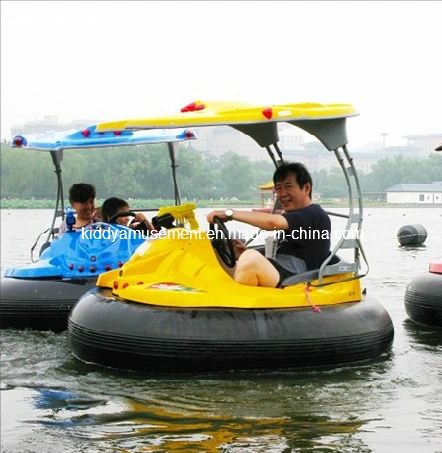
{"points": [[234, 177], [144, 172]]}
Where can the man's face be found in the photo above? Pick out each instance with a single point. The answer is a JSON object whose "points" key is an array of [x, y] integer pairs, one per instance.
{"points": [[85, 210], [290, 195]]}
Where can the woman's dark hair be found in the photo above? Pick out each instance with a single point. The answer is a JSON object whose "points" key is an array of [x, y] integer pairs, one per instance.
{"points": [[111, 206], [81, 193], [294, 168]]}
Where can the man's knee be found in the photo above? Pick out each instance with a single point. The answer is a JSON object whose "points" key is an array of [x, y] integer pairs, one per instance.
{"points": [[249, 259], [250, 254]]}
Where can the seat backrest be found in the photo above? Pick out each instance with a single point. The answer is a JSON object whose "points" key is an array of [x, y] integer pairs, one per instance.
{"points": [[307, 276], [300, 278]]}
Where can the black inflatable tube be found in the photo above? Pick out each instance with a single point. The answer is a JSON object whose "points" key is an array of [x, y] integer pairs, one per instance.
{"points": [[40, 304], [423, 299], [139, 337]]}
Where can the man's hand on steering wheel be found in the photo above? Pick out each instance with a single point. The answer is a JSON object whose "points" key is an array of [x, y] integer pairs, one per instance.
{"points": [[222, 242], [220, 213]]}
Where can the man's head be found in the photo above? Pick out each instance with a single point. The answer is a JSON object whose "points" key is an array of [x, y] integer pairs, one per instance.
{"points": [[293, 185], [81, 193], [82, 199]]}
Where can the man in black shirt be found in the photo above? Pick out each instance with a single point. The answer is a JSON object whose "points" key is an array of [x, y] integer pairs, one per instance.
{"points": [[303, 231]]}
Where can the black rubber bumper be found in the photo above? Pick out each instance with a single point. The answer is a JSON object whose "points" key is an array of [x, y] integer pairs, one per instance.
{"points": [[41, 304], [423, 299], [133, 336]]}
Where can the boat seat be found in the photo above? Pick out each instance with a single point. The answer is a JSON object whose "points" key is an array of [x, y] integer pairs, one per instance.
{"points": [[54, 233], [300, 278], [44, 247], [307, 276]]}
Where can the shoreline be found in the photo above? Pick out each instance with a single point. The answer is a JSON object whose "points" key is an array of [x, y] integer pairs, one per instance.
{"points": [[146, 206]]}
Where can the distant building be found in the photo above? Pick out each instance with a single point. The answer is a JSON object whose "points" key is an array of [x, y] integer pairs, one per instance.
{"points": [[424, 143], [415, 193], [218, 140], [49, 123]]}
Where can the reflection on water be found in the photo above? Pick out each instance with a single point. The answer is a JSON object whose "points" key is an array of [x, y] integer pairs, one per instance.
{"points": [[424, 337], [52, 403], [135, 424], [140, 421], [104, 410]]}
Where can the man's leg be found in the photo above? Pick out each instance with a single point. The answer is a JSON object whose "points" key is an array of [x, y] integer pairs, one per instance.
{"points": [[254, 269]]}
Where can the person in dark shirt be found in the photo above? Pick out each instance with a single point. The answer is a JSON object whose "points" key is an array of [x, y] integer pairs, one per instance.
{"points": [[302, 231]]}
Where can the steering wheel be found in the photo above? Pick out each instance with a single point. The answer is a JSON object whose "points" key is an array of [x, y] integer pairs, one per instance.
{"points": [[141, 227], [221, 242]]}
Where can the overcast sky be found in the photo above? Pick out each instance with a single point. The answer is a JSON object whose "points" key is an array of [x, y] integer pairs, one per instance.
{"points": [[111, 60]]}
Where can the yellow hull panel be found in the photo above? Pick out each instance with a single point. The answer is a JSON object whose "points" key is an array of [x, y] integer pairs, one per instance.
{"points": [[185, 272]]}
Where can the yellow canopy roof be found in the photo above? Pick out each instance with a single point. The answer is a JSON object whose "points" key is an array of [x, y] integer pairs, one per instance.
{"points": [[212, 113], [325, 121]]}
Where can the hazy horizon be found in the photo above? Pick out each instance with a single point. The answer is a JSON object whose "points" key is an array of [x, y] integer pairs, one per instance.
{"points": [[113, 60]]}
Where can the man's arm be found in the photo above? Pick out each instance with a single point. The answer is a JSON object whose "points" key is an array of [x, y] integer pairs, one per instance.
{"points": [[262, 220]]}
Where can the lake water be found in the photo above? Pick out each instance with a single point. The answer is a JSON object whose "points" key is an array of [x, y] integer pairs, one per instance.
{"points": [[50, 402]]}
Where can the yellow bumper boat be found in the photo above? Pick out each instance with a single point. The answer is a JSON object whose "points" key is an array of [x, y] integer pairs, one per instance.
{"points": [[173, 308]]}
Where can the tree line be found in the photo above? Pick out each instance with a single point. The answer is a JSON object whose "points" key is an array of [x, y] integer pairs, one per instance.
{"points": [[144, 172]]}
